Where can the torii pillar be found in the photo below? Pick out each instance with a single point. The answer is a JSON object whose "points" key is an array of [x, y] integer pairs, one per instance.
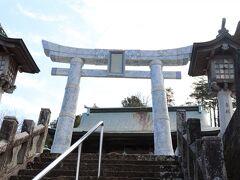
{"points": [[161, 122], [69, 104]]}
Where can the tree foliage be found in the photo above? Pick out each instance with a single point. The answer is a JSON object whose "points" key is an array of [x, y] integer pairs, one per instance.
{"points": [[170, 96], [95, 105], [135, 101], [200, 91], [77, 121], [140, 101], [203, 97]]}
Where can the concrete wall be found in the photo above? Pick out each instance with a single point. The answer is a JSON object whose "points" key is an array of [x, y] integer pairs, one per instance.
{"points": [[135, 120]]}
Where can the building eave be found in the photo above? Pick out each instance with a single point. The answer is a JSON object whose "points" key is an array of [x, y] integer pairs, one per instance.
{"points": [[139, 109], [202, 51], [19, 52]]}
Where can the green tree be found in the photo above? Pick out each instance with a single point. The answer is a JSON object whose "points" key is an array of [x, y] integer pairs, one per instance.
{"points": [[77, 121], [95, 105], [135, 101], [170, 96], [200, 91], [203, 97], [53, 124]]}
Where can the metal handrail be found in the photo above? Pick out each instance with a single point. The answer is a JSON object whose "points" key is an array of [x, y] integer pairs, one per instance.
{"points": [[74, 146]]}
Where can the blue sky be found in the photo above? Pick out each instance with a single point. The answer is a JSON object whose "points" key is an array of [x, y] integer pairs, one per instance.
{"points": [[121, 24]]}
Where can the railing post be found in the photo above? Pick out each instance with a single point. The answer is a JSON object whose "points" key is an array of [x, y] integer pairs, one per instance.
{"points": [[9, 128], [198, 160], [28, 126], [181, 130], [193, 133], [44, 118], [181, 142], [7, 135], [78, 160], [212, 159], [100, 150]]}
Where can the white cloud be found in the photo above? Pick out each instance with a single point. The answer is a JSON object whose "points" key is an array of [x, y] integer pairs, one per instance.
{"points": [[40, 16], [19, 106], [36, 53], [27, 81], [13, 33], [74, 36], [36, 38], [77, 6], [151, 24], [31, 95]]}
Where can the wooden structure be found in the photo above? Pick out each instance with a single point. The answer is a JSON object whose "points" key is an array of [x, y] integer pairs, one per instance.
{"points": [[14, 57]]}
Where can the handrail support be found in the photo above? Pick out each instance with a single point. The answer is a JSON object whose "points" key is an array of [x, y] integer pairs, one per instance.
{"points": [[74, 146], [78, 160], [100, 151]]}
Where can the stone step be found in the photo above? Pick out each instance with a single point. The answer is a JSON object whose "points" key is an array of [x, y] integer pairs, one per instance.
{"points": [[90, 178], [109, 161], [114, 167], [111, 167], [141, 174], [104, 173], [116, 156]]}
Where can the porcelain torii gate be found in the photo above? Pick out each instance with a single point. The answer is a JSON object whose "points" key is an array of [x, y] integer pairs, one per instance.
{"points": [[116, 61]]}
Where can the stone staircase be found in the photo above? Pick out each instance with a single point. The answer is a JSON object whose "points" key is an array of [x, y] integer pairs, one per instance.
{"points": [[114, 167]]}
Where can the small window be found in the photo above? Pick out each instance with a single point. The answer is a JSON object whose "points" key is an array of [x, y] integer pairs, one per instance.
{"points": [[224, 69]]}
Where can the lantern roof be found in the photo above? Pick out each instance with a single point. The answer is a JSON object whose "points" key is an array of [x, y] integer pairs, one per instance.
{"points": [[2, 32], [17, 49], [223, 44]]}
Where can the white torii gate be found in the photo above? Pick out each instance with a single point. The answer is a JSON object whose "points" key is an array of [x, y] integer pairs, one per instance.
{"points": [[116, 61]]}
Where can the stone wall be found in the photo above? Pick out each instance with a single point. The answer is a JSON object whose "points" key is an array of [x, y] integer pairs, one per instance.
{"points": [[201, 158], [17, 149], [231, 137], [231, 141]]}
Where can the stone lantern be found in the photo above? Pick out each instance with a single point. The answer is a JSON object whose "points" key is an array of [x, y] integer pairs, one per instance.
{"points": [[216, 60], [14, 57]]}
